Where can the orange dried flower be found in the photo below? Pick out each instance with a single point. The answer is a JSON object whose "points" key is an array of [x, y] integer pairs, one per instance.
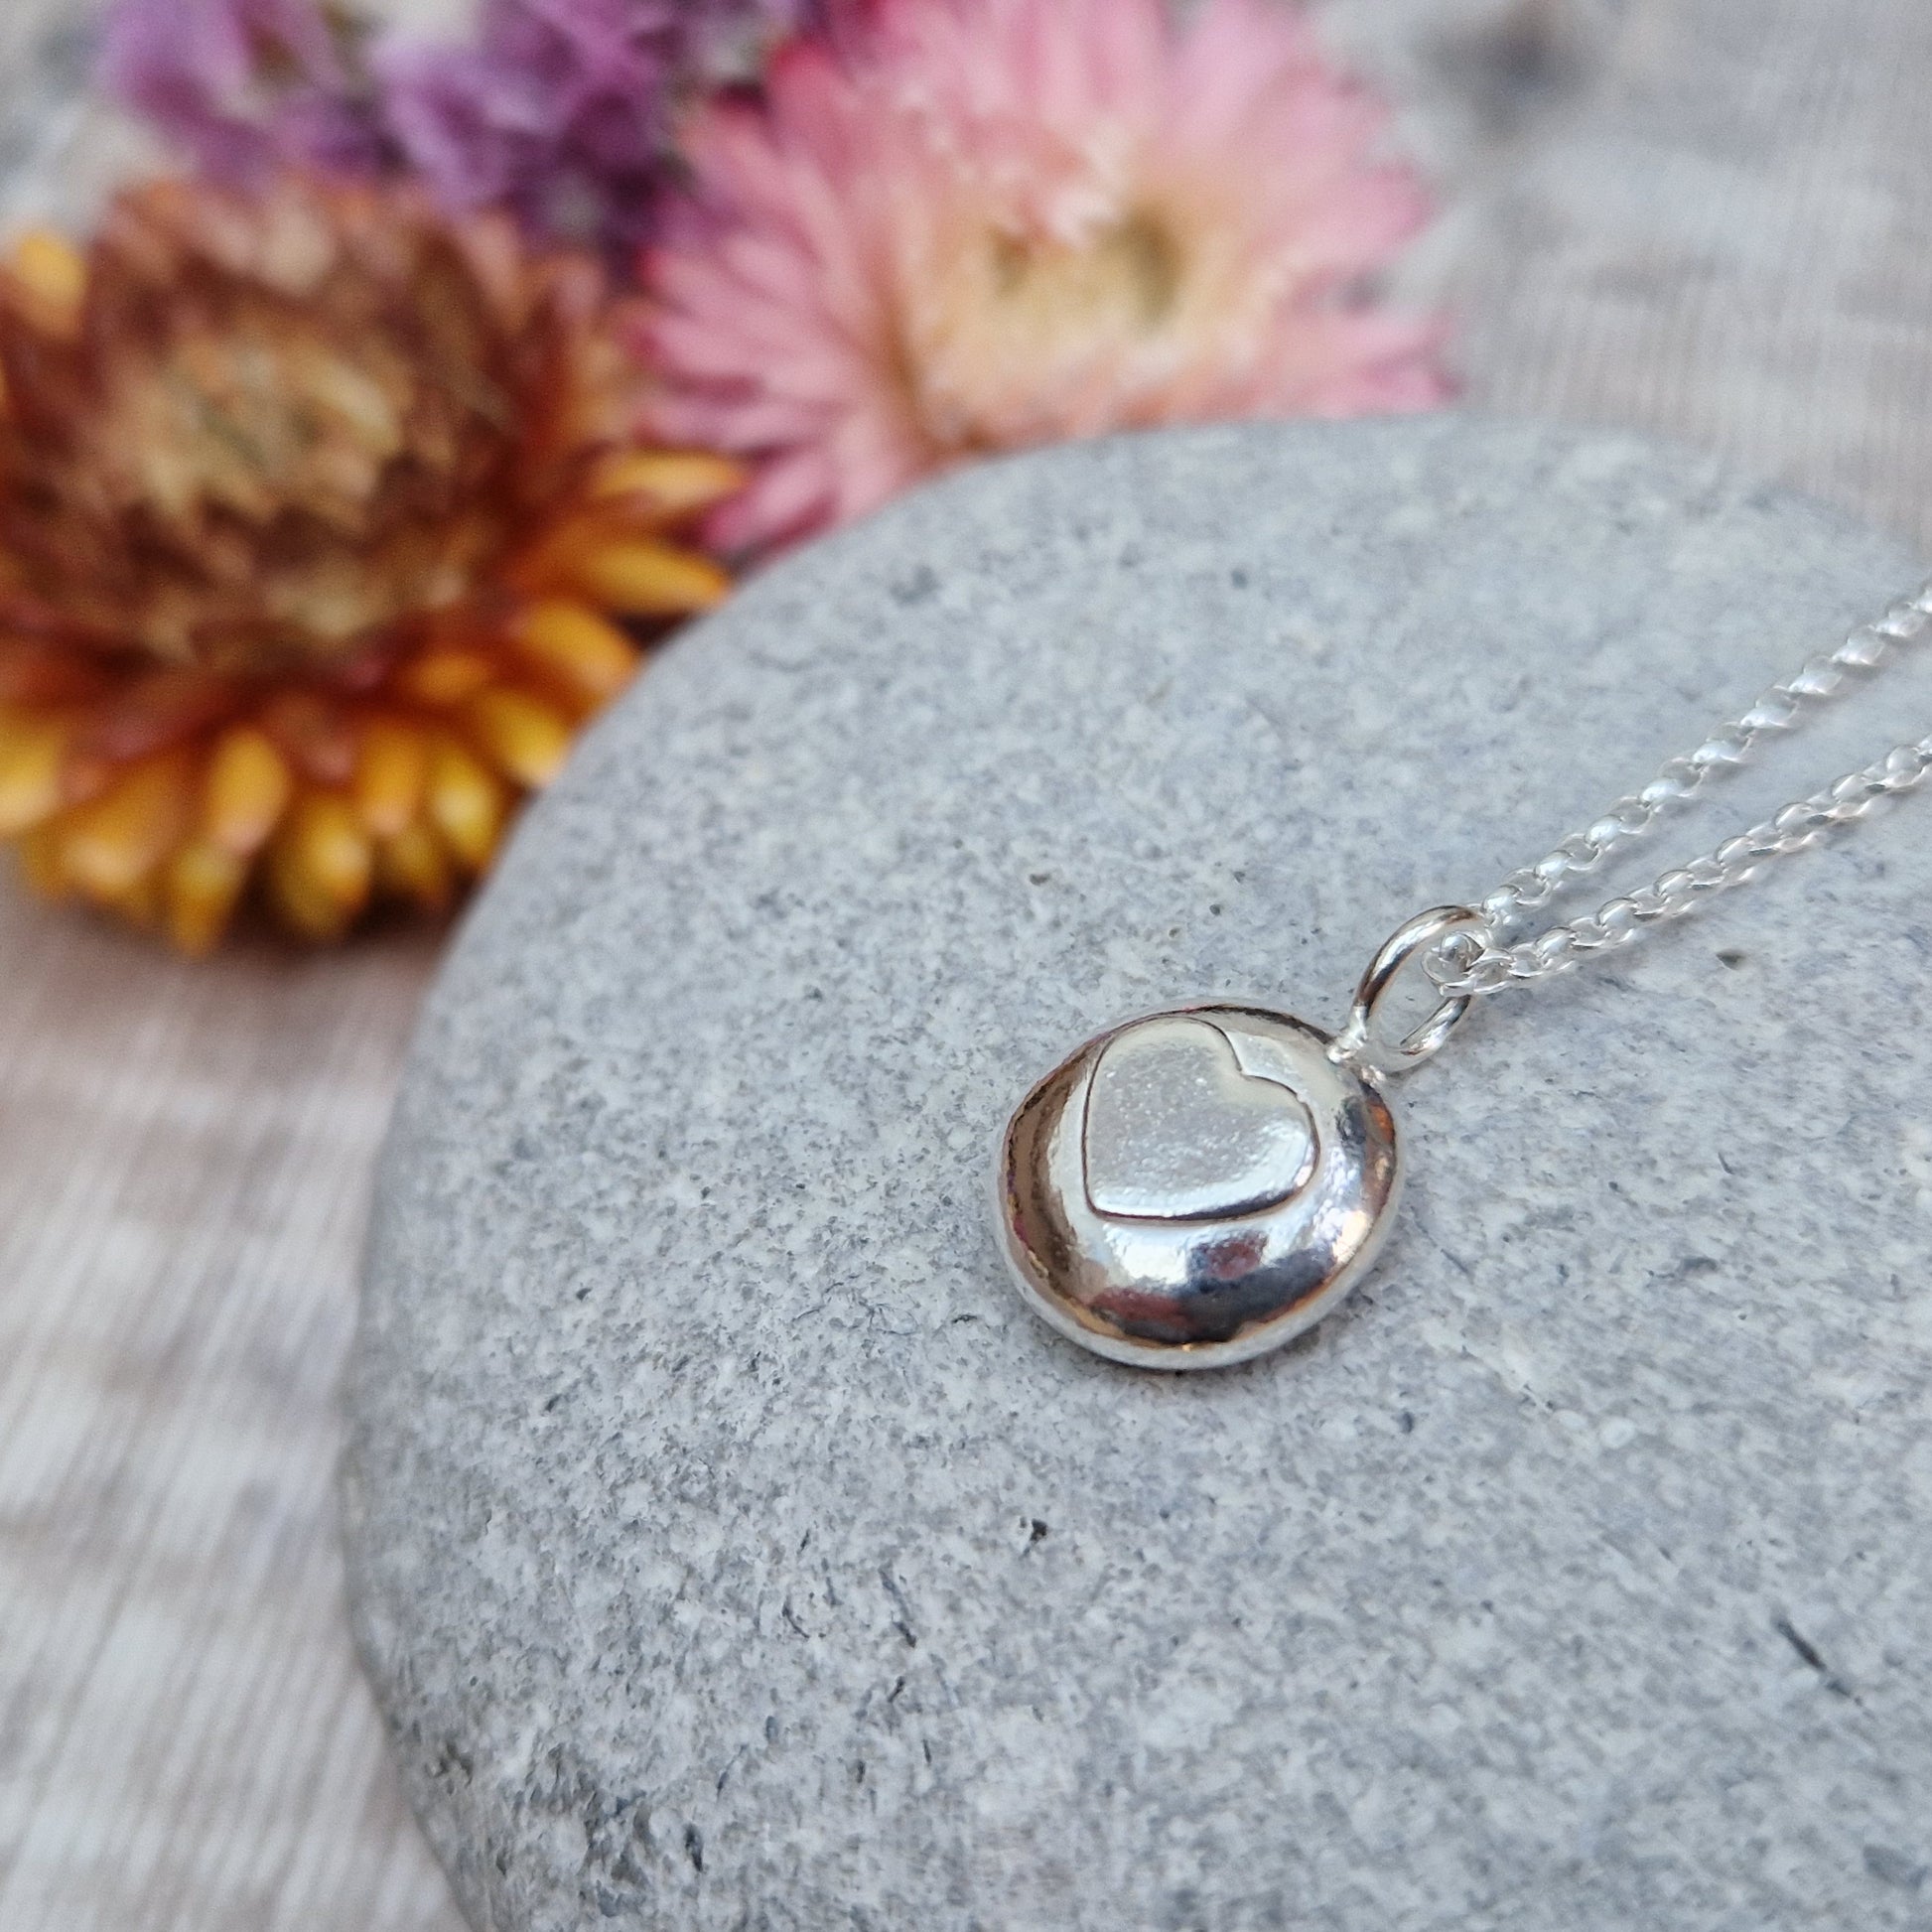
{"points": [[322, 531]]}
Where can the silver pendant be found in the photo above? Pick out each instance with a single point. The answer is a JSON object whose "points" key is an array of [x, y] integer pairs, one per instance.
{"points": [[1198, 1187]]}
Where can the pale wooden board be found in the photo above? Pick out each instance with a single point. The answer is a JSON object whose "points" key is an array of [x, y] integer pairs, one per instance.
{"points": [[183, 1743], [1732, 245], [1711, 218]]}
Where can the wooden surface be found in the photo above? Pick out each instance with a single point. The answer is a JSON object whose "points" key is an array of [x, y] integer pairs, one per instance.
{"points": [[1709, 217], [183, 1741]]}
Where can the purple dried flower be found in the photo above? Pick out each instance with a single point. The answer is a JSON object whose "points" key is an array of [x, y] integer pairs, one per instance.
{"points": [[560, 109], [244, 84], [559, 112]]}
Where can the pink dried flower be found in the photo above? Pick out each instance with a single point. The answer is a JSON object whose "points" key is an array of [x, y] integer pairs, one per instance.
{"points": [[559, 109], [966, 225]]}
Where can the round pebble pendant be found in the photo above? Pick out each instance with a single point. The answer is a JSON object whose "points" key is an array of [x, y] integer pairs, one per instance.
{"points": [[1197, 1187]]}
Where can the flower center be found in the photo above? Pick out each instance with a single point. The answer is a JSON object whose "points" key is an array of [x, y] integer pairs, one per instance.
{"points": [[291, 491], [256, 423], [1121, 281], [1010, 340]]}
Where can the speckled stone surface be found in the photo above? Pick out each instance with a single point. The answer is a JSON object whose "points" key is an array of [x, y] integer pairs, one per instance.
{"points": [[732, 1553]]}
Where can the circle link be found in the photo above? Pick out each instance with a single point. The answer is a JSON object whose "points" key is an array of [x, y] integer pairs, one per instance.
{"points": [[1450, 926]]}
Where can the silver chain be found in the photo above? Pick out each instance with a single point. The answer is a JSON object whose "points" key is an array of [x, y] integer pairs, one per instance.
{"points": [[1487, 956]]}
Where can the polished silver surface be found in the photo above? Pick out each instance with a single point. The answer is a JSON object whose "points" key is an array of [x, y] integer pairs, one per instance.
{"points": [[1443, 931], [1187, 1123], [1197, 1187]]}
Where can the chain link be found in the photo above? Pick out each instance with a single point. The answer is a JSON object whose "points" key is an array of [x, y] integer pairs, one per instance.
{"points": [[1488, 959]]}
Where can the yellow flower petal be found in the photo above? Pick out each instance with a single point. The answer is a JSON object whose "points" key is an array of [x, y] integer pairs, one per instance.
{"points": [[445, 677], [678, 481], [320, 865], [299, 903], [584, 651], [391, 772], [40, 862], [248, 789], [524, 736], [141, 903], [415, 865], [110, 844], [329, 841], [204, 883], [468, 803], [650, 580], [31, 753], [52, 271]]}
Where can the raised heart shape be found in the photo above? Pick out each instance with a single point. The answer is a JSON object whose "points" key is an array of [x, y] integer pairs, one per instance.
{"points": [[1177, 1129]]}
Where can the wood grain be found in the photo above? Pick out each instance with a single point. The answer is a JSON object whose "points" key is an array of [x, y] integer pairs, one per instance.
{"points": [[1730, 243], [1709, 217], [184, 1740]]}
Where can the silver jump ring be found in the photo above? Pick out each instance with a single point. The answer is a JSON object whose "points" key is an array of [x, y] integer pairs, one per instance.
{"points": [[1426, 930]]}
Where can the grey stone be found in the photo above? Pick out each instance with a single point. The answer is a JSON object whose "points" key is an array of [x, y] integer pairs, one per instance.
{"points": [[732, 1550]]}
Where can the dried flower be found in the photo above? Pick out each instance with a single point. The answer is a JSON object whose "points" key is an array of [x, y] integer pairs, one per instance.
{"points": [[559, 109], [559, 113], [315, 511], [969, 226], [246, 87]]}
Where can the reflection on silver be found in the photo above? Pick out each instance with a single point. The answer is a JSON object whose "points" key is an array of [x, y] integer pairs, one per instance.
{"points": [[1197, 1187]]}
